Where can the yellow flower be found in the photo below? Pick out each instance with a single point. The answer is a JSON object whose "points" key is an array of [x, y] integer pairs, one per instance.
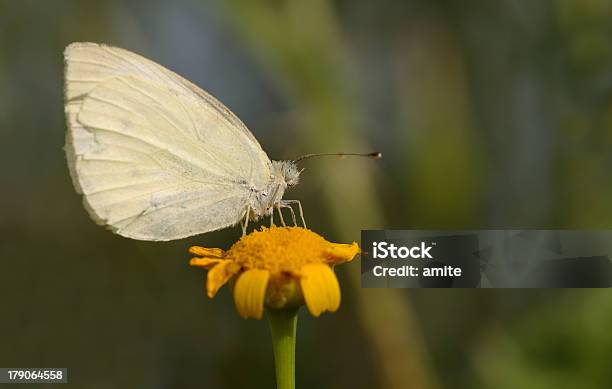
{"points": [[279, 266]]}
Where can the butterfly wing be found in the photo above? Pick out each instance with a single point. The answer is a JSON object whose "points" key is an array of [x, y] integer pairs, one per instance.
{"points": [[155, 157]]}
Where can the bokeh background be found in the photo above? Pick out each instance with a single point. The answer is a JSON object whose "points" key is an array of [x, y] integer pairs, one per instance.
{"points": [[489, 114]]}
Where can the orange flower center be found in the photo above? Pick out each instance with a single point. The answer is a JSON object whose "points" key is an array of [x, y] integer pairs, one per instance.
{"points": [[279, 250]]}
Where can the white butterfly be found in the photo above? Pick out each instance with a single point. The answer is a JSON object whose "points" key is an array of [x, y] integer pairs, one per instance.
{"points": [[157, 158]]}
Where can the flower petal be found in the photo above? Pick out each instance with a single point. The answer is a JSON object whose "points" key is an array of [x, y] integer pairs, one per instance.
{"points": [[341, 253], [206, 252], [249, 293], [205, 262], [320, 288], [219, 275]]}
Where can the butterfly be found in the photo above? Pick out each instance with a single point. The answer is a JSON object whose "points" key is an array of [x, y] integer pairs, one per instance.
{"points": [[157, 158]]}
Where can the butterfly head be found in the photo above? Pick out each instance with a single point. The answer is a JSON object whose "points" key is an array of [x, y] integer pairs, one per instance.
{"points": [[287, 172]]}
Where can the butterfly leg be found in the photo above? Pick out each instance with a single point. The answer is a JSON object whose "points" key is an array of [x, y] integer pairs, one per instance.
{"points": [[272, 218], [292, 214], [286, 205], [245, 222], [301, 212], [280, 214], [289, 202]]}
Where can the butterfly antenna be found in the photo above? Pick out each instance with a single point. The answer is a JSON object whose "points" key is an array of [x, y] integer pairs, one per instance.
{"points": [[374, 155]]}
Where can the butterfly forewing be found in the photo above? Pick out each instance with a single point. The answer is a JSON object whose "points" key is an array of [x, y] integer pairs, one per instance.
{"points": [[155, 157]]}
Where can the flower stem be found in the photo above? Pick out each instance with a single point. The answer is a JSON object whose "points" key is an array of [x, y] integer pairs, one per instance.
{"points": [[283, 324]]}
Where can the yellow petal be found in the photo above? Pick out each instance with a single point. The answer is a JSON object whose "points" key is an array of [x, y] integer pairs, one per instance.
{"points": [[206, 252], [340, 253], [219, 275], [249, 293], [205, 262], [320, 288]]}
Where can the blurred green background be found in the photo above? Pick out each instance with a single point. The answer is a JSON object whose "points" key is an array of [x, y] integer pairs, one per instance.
{"points": [[488, 113]]}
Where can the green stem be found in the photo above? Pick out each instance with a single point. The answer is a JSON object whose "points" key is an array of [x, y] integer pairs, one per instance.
{"points": [[283, 324]]}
